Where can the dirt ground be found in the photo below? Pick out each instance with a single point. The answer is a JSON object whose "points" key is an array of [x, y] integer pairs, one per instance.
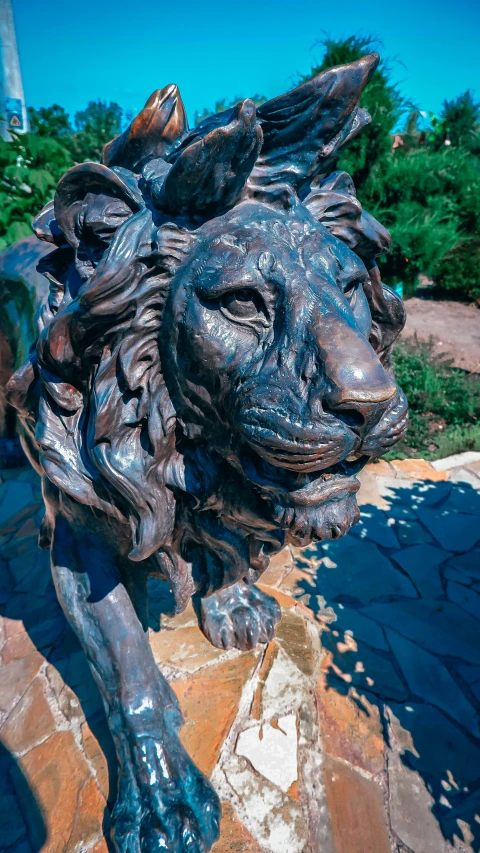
{"points": [[454, 326]]}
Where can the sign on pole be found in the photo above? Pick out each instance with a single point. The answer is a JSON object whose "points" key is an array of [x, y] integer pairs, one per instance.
{"points": [[14, 113]]}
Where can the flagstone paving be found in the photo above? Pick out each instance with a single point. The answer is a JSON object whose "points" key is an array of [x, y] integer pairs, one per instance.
{"points": [[356, 730]]}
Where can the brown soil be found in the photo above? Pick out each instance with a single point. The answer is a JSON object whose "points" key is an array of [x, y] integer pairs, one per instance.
{"points": [[454, 327]]}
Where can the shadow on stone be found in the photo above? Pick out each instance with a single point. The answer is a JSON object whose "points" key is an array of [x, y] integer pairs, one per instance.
{"points": [[399, 605], [21, 823], [160, 602]]}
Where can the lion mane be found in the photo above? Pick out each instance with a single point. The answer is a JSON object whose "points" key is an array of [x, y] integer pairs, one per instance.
{"points": [[98, 419]]}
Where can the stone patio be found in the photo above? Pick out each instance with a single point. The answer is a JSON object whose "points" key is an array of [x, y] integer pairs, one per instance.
{"points": [[356, 731]]}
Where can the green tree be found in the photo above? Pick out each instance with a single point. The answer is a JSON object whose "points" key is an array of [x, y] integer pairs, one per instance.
{"points": [[460, 123], [50, 121], [96, 125]]}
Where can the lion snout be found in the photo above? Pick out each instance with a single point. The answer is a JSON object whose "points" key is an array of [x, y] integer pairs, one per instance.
{"points": [[313, 436]]}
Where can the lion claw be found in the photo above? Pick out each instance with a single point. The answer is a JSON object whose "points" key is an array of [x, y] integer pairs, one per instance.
{"points": [[168, 805], [239, 617]]}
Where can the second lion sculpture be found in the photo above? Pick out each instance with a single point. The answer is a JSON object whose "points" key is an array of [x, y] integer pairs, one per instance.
{"points": [[211, 372]]}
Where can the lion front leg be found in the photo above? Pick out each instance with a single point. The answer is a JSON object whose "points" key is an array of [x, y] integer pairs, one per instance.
{"points": [[239, 617], [164, 803]]}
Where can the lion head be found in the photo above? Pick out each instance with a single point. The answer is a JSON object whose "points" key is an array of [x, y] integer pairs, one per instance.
{"points": [[213, 365]]}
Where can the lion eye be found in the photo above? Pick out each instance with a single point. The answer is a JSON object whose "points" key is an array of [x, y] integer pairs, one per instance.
{"points": [[243, 304], [350, 289]]}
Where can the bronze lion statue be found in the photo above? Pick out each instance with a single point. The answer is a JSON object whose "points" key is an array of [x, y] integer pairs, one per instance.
{"points": [[212, 370]]}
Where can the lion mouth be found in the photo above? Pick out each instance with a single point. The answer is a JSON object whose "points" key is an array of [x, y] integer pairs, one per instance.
{"points": [[312, 506], [300, 448], [299, 457], [302, 489]]}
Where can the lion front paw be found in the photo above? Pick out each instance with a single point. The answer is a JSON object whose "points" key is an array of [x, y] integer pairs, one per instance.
{"points": [[239, 617], [166, 805]]}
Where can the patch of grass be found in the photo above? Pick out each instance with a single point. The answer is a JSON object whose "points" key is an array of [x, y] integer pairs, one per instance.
{"points": [[444, 403], [457, 439]]}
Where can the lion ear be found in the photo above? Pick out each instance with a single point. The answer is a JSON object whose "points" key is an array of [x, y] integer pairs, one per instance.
{"points": [[210, 169], [90, 188], [155, 132], [334, 203], [305, 129]]}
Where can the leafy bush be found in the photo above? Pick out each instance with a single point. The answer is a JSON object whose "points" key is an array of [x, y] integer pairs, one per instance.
{"points": [[459, 268], [430, 202], [31, 164], [30, 168], [444, 403]]}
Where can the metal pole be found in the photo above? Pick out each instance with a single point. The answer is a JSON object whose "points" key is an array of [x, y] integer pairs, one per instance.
{"points": [[12, 102]]}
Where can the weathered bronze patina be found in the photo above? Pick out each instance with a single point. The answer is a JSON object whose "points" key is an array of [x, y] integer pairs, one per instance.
{"points": [[212, 370]]}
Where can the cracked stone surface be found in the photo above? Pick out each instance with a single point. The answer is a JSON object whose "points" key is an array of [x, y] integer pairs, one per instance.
{"points": [[356, 729], [272, 750]]}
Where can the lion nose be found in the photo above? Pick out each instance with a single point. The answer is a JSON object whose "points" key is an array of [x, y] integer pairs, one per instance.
{"points": [[360, 409], [358, 416], [359, 390]]}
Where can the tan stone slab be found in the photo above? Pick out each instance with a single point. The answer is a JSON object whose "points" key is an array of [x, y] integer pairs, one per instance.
{"points": [[297, 581], [28, 528], [418, 469], [234, 837], [96, 758], [100, 847], [186, 649], [186, 619], [209, 701], [283, 599], [355, 805], [90, 811], [279, 566], [17, 646], [412, 809], [291, 634], [13, 627], [350, 727], [71, 804], [31, 720], [15, 678], [465, 477], [67, 700], [369, 494], [458, 460], [277, 821], [381, 467], [284, 689]]}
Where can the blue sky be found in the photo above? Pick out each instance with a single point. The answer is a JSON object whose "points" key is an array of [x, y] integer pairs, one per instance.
{"points": [[121, 50]]}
